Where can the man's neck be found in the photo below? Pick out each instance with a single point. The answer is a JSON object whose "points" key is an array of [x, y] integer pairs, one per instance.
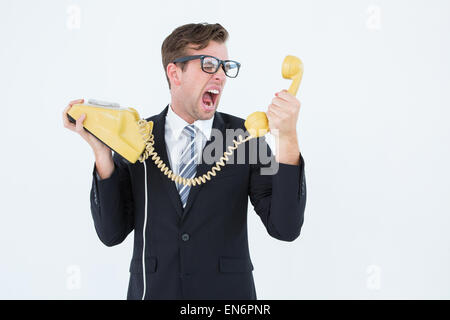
{"points": [[176, 108]]}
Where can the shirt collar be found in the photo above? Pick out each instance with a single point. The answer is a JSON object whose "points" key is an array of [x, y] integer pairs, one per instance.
{"points": [[177, 124]]}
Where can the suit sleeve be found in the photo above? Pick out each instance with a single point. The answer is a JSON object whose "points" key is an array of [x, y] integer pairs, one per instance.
{"points": [[279, 199], [112, 204]]}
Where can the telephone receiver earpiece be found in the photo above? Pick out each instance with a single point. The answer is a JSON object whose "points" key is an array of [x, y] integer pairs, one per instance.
{"points": [[257, 123], [292, 68]]}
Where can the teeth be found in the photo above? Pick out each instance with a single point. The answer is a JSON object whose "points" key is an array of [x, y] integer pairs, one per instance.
{"points": [[213, 91]]}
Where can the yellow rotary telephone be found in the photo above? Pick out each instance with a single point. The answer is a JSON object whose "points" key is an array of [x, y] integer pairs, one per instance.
{"points": [[122, 130]]}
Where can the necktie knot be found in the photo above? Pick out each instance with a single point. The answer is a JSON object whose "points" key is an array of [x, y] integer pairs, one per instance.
{"points": [[190, 131]]}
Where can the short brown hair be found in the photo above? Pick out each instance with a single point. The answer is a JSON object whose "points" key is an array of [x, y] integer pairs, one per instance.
{"points": [[197, 34]]}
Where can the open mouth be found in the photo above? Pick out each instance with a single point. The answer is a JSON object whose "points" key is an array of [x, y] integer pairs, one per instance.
{"points": [[209, 99]]}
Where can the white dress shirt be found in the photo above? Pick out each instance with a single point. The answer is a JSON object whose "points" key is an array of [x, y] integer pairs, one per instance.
{"points": [[176, 142]]}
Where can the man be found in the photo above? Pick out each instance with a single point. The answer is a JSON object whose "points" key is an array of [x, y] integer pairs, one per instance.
{"points": [[190, 242]]}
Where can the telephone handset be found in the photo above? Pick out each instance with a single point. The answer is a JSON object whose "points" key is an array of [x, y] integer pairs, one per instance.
{"points": [[122, 130], [257, 123]]}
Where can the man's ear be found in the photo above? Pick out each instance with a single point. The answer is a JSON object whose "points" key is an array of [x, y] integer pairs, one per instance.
{"points": [[174, 74]]}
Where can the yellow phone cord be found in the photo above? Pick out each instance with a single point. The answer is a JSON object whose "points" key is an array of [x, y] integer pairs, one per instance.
{"points": [[150, 152]]}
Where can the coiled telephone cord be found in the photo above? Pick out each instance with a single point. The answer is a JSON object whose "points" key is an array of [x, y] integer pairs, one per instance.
{"points": [[150, 152]]}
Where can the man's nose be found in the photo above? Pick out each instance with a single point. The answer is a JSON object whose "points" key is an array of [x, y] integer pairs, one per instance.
{"points": [[220, 75]]}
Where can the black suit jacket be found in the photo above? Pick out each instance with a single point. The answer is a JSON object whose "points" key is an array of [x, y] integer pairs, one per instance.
{"points": [[201, 251]]}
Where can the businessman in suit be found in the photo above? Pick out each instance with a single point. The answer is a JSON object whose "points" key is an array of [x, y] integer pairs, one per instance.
{"points": [[190, 242]]}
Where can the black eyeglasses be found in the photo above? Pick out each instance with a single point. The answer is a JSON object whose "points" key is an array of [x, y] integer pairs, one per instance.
{"points": [[211, 64]]}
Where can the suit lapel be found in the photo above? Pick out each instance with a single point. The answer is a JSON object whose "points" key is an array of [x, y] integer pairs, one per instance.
{"points": [[202, 167], [160, 148]]}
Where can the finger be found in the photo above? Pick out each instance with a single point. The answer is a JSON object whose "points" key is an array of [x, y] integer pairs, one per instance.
{"points": [[274, 108], [285, 95], [67, 124], [279, 111], [70, 126], [79, 123], [71, 103], [272, 115], [273, 119], [280, 102], [269, 114], [66, 121]]}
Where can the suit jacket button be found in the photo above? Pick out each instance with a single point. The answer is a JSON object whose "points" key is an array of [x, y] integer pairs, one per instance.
{"points": [[185, 237]]}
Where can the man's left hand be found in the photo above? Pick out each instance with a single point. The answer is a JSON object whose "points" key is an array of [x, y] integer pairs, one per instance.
{"points": [[283, 114]]}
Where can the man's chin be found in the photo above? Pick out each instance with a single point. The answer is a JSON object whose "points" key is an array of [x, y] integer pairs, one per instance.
{"points": [[207, 113]]}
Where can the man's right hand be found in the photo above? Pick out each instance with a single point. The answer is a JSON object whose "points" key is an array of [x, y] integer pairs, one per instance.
{"points": [[103, 154]]}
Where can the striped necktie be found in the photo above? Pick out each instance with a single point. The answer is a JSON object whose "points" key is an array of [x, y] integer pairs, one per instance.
{"points": [[188, 165]]}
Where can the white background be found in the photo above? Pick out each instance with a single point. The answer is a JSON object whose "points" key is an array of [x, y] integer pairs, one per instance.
{"points": [[373, 130]]}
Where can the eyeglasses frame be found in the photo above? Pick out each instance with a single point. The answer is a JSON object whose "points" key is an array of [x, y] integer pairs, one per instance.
{"points": [[203, 56]]}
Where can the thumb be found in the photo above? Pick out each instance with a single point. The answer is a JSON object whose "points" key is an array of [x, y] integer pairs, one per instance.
{"points": [[79, 123]]}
